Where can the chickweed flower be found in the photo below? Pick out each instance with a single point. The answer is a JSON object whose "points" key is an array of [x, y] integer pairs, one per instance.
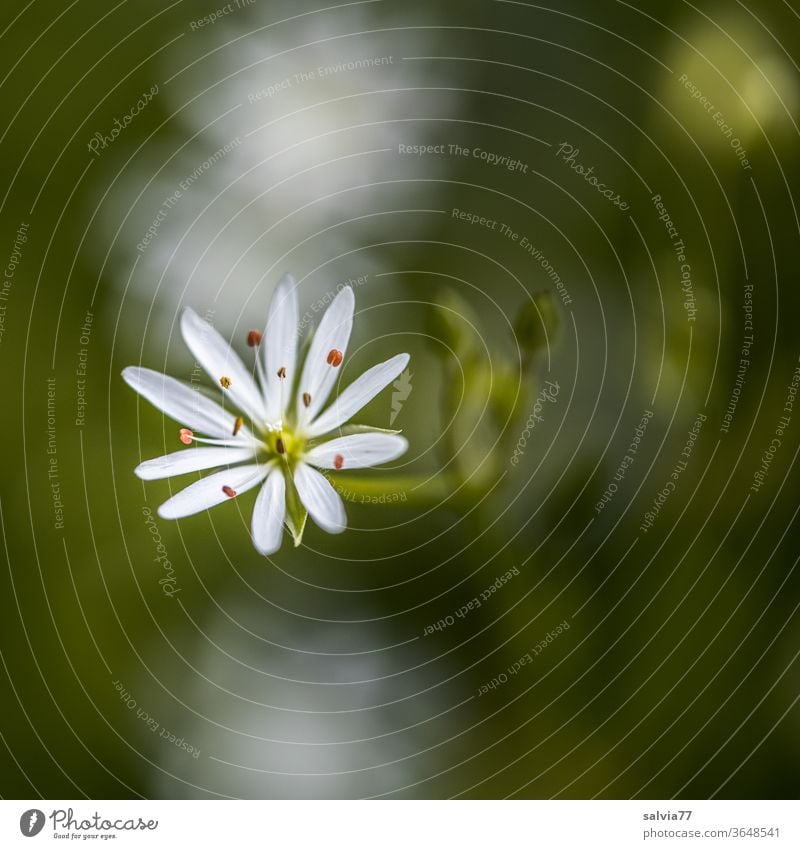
{"points": [[273, 430]]}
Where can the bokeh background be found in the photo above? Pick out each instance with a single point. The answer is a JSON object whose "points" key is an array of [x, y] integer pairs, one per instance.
{"points": [[663, 655]]}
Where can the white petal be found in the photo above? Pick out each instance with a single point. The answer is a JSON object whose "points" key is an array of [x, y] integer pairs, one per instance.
{"points": [[207, 492], [318, 376], [359, 393], [217, 357], [180, 402], [269, 513], [320, 499], [280, 346], [359, 451], [191, 460]]}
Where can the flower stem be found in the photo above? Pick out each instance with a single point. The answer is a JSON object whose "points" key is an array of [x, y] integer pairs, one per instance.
{"points": [[408, 489]]}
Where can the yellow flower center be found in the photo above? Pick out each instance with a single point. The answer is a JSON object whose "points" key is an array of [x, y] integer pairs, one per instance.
{"points": [[284, 445]]}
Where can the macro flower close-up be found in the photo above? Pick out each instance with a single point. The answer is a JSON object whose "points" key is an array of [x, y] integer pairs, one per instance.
{"points": [[271, 429], [463, 450]]}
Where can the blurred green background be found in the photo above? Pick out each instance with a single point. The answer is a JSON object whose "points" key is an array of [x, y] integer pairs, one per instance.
{"points": [[317, 673]]}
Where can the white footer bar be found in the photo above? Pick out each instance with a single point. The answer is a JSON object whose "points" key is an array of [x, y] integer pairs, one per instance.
{"points": [[390, 824]]}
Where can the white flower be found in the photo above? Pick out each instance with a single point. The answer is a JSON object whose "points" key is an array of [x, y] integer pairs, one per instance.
{"points": [[272, 439]]}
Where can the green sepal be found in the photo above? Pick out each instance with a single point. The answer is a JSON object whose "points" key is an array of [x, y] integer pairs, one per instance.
{"points": [[296, 513]]}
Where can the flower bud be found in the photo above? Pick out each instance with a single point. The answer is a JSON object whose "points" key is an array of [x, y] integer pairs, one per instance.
{"points": [[537, 323], [454, 322]]}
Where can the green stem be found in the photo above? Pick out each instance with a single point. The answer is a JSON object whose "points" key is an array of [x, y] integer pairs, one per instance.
{"points": [[408, 489]]}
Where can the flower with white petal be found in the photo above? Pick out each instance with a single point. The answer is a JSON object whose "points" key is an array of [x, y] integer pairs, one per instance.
{"points": [[280, 432]]}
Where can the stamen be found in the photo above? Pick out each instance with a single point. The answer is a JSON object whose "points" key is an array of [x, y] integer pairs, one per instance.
{"points": [[306, 399], [282, 372], [279, 446], [227, 443], [335, 358], [254, 338], [225, 382], [237, 425], [338, 461], [231, 493], [185, 435]]}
